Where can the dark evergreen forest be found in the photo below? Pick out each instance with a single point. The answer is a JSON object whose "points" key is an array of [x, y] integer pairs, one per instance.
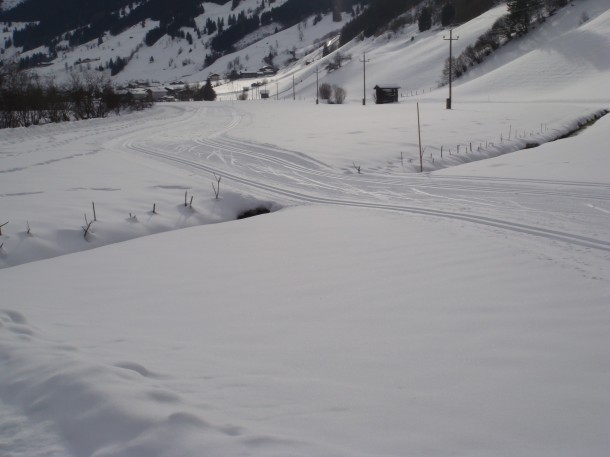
{"points": [[381, 12], [81, 21], [92, 18]]}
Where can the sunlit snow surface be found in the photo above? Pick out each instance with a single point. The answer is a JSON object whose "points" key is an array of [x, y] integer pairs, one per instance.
{"points": [[21, 437], [459, 311]]}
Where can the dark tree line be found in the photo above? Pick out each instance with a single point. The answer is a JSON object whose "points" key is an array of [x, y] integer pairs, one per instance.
{"points": [[26, 99], [82, 21], [32, 61], [466, 10], [56, 18], [521, 13], [153, 35], [241, 27], [380, 13], [516, 23], [117, 65], [294, 11], [288, 14], [171, 15]]}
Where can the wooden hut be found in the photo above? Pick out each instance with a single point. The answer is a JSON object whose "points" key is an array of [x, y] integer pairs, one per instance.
{"points": [[387, 93]]}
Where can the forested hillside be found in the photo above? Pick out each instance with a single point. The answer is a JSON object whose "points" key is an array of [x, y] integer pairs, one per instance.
{"points": [[112, 35], [86, 21]]}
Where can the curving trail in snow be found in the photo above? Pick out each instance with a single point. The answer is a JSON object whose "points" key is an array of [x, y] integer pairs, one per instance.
{"points": [[199, 139]]}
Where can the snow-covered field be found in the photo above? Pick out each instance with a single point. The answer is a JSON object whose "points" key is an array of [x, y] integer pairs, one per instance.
{"points": [[460, 311]]}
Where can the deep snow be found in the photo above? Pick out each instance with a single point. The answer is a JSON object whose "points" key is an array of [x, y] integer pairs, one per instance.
{"points": [[460, 311]]}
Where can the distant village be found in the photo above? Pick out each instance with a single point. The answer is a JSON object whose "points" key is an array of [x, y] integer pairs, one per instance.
{"points": [[182, 91]]}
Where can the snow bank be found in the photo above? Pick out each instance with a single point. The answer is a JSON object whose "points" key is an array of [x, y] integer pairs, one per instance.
{"points": [[578, 158], [379, 333]]}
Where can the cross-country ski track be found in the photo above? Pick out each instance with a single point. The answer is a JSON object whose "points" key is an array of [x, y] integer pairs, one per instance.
{"points": [[280, 173]]}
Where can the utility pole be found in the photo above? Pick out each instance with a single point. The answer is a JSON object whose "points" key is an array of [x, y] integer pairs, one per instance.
{"points": [[293, 95], [364, 61], [451, 40], [277, 91], [421, 163], [317, 87]]}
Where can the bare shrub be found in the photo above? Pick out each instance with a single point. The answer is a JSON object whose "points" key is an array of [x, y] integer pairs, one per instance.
{"points": [[325, 91], [339, 94]]}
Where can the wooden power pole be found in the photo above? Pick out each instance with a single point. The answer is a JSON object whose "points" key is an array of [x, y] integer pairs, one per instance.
{"points": [[421, 160], [451, 40], [364, 61], [317, 86]]}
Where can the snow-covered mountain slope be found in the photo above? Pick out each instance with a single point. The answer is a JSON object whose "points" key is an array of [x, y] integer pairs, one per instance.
{"points": [[564, 59], [172, 59], [407, 57], [554, 57]]}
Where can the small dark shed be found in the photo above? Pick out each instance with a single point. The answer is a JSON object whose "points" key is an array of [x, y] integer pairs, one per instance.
{"points": [[387, 93]]}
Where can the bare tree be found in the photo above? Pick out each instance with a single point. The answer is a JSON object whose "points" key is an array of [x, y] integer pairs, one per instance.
{"points": [[26, 99]]}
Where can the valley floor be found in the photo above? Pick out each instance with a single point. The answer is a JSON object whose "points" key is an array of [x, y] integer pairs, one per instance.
{"points": [[463, 310]]}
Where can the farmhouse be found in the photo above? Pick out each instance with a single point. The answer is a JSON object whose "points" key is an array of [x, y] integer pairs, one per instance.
{"points": [[268, 70], [139, 93], [158, 93]]}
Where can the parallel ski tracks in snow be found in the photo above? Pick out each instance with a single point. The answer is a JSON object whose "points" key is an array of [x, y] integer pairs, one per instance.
{"points": [[299, 195], [278, 172], [496, 185]]}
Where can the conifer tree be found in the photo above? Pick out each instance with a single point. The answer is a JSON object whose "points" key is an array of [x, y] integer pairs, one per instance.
{"points": [[206, 93], [425, 19], [447, 14], [519, 15]]}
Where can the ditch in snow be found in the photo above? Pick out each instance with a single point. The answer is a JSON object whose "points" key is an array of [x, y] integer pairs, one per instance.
{"points": [[253, 212]]}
